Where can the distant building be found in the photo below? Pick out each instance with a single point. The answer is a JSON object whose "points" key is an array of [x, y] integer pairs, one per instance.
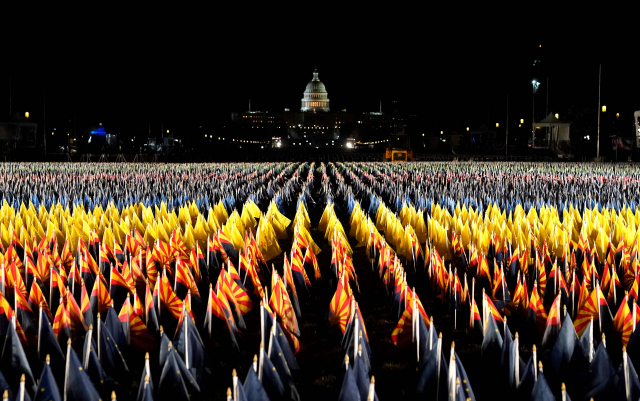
{"points": [[316, 98], [17, 132], [315, 125]]}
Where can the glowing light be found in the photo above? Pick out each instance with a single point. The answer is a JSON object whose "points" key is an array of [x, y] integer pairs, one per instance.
{"points": [[617, 115], [557, 115], [349, 145], [522, 121], [467, 128], [497, 125], [26, 115], [604, 108]]}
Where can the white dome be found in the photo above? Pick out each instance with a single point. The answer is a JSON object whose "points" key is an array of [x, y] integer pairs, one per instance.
{"points": [[315, 96]]}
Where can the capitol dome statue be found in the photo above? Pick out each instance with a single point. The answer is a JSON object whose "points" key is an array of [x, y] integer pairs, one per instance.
{"points": [[315, 96]]}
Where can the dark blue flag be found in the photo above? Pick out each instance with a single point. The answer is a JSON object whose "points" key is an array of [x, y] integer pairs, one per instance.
{"points": [[47, 387], [349, 390], [172, 385], [252, 386], [270, 379], [14, 363], [601, 374], [78, 386], [628, 382], [541, 390]]}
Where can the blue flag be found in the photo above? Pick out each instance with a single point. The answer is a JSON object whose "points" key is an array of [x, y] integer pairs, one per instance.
{"points": [[349, 390], [47, 387], [172, 385], [14, 363], [601, 374], [78, 385], [253, 388], [541, 390]]}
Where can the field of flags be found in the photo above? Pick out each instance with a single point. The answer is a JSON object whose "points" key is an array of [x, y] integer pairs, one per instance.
{"points": [[172, 282]]}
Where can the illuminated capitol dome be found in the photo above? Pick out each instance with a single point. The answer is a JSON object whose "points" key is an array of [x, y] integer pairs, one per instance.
{"points": [[315, 96]]}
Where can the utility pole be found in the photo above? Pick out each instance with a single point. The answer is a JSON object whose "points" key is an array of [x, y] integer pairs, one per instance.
{"points": [[506, 137], [599, 92], [44, 118]]}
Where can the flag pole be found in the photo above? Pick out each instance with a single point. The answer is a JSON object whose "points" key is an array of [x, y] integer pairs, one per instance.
{"points": [[438, 361], [85, 363], [234, 376], [517, 359], [66, 370], [40, 327], [99, 347], [260, 361], [185, 323], [535, 363], [355, 334]]}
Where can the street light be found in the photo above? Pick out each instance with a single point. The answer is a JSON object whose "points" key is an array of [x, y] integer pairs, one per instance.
{"points": [[604, 108], [497, 125], [557, 115], [522, 121], [26, 115], [535, 85]]}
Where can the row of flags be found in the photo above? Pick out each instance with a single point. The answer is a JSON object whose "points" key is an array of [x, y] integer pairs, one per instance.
{"points": [[591, 302], [107, 285]]}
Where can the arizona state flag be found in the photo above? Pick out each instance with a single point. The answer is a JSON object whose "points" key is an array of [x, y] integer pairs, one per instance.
{"points": [[623, 321], [184, 280], [167, 298], [402, 334], [340, 306], [594, 306], [36, 298], [100, 299], [85, 305], [150, 316], [281, 304], [536, 310], [62, 324], [119, 289]]}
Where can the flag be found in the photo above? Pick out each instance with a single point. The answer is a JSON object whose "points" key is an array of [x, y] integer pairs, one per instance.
{"points": [[218, 316], [280, 303], [553, 325], [601, 375], [150, 316], [118, 288], [140, 336], [47, 388], [78, 386], [340, 306], [536, 310], [49, 344], [623, 321], [595, 306], [252, 386], [168, 299], [349, 390], [13, 362], [100, 299], [402, 334], [62, 324]]}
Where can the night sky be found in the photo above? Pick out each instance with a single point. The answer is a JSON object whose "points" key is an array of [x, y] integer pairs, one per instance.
{"points": [[189, 68]]}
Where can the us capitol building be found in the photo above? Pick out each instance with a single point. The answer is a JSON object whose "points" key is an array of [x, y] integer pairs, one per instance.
{"points": [[315, 124]]}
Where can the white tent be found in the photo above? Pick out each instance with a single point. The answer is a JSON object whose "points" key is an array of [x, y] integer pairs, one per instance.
{"points": [[558, 131]]}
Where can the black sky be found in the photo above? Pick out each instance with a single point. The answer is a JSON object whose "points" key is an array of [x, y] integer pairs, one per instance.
{"points": [[189, 67]]}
